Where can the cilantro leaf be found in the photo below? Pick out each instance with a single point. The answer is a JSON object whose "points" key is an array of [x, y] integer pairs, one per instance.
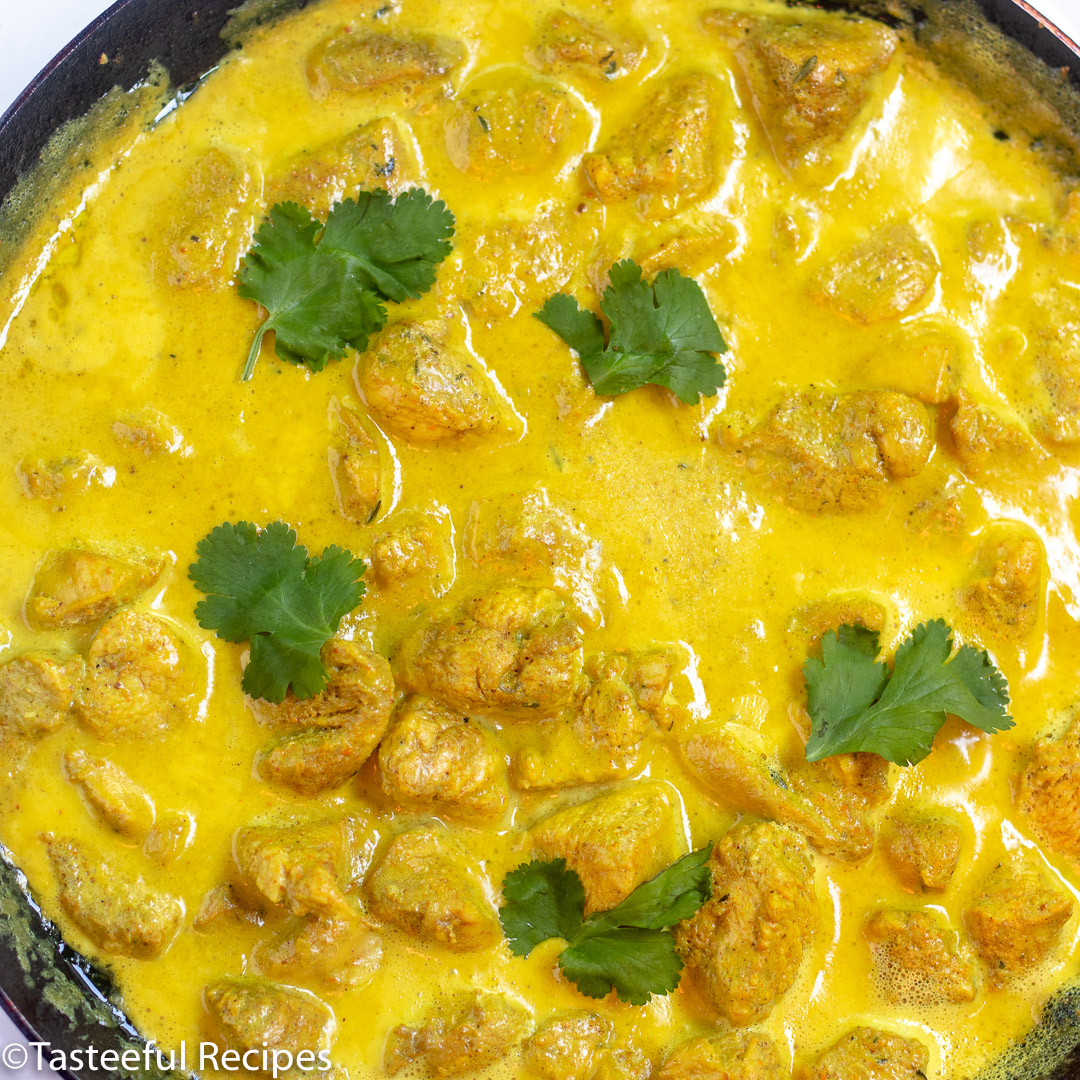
{"points": [[635, 963], [543, 900], [663, 333], [629, 948], [262, 587], [323, 293], [856, 704], [396, 243], [315, 300]]}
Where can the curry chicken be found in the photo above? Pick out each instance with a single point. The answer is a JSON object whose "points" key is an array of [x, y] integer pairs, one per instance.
{"points": [[586, 616]]}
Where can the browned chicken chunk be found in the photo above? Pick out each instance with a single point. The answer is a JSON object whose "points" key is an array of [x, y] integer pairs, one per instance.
{"points": [[461, 1035], [306, 869], [917, 958], [75, 588], [433, 758], [37, 694], [665, 157], [868, 1054], [735, 1055], [245, 1013], [376, 155], [337, 954], [120, 913], [568, 42], [828, 453], [1016, 918], [513, 122], [567, 1046], [984, 440], [426, 885], [1006, 601], [425, 389], [745, 944], [112, 795], [353, 63], [809, 79], [922, 854], [882, 277], [140, 679], [335, 732], [615, 841], [1048, 792], [514, 651]]}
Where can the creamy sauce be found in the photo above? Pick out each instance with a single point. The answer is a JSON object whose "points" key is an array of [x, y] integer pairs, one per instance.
{"points": [[696, 548]]}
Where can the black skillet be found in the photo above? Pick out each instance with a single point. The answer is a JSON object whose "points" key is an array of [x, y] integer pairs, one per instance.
{"points": [[54, 995]]}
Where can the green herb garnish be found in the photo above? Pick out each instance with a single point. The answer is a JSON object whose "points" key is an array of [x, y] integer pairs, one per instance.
{"points": [[857, 704], [629, 949], [323, 286], [663, 333], [262, 587]]}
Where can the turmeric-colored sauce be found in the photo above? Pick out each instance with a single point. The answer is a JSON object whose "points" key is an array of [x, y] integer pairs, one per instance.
{"points": [[896, 442]]}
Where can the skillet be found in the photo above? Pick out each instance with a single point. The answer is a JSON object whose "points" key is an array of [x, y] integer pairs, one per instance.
{"points": [[53, 994]]}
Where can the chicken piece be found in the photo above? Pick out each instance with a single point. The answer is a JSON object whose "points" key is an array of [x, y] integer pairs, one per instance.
{"points": [[376, 155], [150, 431], [528, 535], [983, 440], [735, 1055], [834, 818], [433, 758], [1048, 793], [112, 795], [352, 63], [462, 1034], [76, 588], [1056, 391], [615, 841], [917, 959], [139, 682], [170, 837], [422, 388], [625, 1061], [335, 732], [808, 79], [666, 157], [121, 914], [1005, 604], [513, 651], [809, 624], [208, 228], [37, 694], [337, 954], [922, 854], [1017, 917], [305, 869], [355, 467], [245, 1013], [415, 557], [883, 277], [553, 756], [832, 453], [745, 944], [510, 123], [426, 885], [567, 1046], [68, 475], [868, 1054], [567, 42]]}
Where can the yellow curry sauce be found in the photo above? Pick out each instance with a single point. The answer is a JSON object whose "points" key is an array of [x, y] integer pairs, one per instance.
{"points": [[905, 247]]}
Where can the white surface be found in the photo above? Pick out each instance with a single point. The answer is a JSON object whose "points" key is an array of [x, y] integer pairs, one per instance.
{"points": [[32, 33]]}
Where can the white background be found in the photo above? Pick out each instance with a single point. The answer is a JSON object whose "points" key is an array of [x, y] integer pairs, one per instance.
{"points": [[32, 31]]}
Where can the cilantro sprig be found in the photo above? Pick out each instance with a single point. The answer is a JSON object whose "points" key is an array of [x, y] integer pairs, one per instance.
{"points": [[262, 587], [323, 285], [857, 704], [629, 949], [661, 333]]}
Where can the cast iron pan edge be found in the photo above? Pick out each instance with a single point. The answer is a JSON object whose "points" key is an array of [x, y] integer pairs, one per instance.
{"points": [[67, 1001]]}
